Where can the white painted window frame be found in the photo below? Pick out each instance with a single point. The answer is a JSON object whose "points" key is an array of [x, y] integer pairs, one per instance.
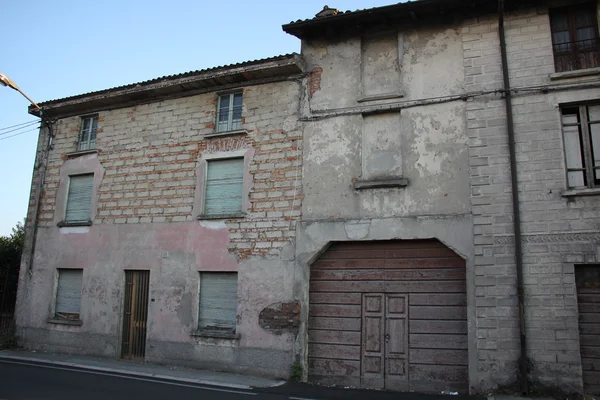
{"points": [[88, 144], [232, 125]]}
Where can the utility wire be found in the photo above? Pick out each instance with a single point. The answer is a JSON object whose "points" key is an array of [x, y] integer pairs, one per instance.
{"points": [[18, 129], [14, 126], [20, 133]]}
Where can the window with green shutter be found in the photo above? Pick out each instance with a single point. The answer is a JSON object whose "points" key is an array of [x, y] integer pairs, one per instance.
{"points": [[218, 301], [224, 187], [79, 198], [68, 294]]}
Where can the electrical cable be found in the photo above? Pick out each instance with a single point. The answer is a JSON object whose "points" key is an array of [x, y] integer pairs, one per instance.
{"points": [[20, 133], [18, 129], [14, 126]]}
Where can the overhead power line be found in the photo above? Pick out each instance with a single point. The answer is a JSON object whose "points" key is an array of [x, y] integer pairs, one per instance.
{"points": [[14, 126], [22, 127], [20, 133]]}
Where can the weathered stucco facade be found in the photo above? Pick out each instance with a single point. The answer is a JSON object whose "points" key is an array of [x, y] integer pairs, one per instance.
{"points": [[376, 247], [148, 176]]}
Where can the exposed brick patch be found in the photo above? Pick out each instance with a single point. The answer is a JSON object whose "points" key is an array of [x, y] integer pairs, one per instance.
{"points": [[315, 80], [280, 318], [150, 164]]}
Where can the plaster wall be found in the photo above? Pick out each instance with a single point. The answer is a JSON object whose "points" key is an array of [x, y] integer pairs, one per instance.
{"points": [[148, 172], [349, 137], [426, 144]]}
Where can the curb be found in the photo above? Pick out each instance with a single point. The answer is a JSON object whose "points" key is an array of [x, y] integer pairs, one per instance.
{"points": [[126, 373]]}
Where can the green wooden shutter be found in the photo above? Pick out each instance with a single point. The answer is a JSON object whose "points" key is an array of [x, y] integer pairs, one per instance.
{"points": [[224, 187], [218, 300], [68, 295], [79, 200]]}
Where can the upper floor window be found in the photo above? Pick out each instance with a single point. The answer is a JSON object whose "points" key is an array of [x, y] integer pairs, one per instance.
{"points": [[581, 130], [79, 198], [575, 37], [224, 187], [229, 113], [87, 136]]}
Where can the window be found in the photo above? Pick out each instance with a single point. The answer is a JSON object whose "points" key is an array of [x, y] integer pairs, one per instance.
{"points": [[229, 113], [68, 294], [218, 301], [575, 37], [581, 130], [224, 187], [87, 136], [79, 198]]}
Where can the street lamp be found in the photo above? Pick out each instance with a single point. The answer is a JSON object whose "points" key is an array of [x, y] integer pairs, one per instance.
{"points": [[6, 81]]}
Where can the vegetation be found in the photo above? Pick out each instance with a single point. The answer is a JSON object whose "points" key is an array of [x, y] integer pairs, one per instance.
{"points": [[11, 247], [296, 372]]}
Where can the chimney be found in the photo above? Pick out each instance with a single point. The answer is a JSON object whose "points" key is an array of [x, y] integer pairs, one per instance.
{"points": [[326, 12]]}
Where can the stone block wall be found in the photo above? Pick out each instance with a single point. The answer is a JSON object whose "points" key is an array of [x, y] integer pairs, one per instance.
{"points": [[556, 232]]}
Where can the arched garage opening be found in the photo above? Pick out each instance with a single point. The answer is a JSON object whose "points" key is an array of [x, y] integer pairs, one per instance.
{"points": [[389, 315]]}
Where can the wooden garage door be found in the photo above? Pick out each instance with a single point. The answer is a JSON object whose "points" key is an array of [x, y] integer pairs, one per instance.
{"points": [[389, 314], [588, 300]]}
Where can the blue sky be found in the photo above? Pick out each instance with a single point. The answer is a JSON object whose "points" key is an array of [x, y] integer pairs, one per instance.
{"points": [[54, 49]]}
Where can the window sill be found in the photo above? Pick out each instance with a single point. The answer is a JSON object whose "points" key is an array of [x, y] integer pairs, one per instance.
{"points": [[72, 322], [207, 333], [581, 192], [78, 153], [226, 133], [65, 224], [383, 96], [579, 73], [224, 216], [381, 184]]}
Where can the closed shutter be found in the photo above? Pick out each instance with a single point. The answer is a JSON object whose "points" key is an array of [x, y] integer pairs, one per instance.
{"points": [[79, 201], [224, 187], [218, 300], [68, 295]]}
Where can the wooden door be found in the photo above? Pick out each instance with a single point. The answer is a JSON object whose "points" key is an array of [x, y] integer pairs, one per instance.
{"points": [[373, 334], [587, 278], [396, 341], [389, 314], [135, 314], [384, 341]]}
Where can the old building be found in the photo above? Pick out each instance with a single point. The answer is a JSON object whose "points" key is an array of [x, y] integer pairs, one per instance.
{"points": [[165, 220], [407, 239], [410, 204]]}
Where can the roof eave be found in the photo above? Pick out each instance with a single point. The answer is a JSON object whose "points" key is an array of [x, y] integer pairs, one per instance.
{"points": [[173, 87], [414, 12]]}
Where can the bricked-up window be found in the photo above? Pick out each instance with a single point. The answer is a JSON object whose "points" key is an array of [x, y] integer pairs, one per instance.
{"points": [[79, 198], [218, 301], [68, 294], [229, 112], [224, 187], [87, 135], [575, 37], [581, 131]]}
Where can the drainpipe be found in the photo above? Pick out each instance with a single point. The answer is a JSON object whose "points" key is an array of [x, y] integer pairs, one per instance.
{"points": [[42, 164], [515, 202]]}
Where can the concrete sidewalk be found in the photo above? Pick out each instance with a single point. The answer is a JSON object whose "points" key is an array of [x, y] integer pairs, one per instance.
{"points": [[139, 369]]}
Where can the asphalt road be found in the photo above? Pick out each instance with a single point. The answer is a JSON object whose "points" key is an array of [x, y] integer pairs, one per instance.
{"points": [[32, 382], [26, 381]]}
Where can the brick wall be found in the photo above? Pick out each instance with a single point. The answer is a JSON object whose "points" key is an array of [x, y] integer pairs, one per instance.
{"points": [[150, 153], [556, 231]]}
